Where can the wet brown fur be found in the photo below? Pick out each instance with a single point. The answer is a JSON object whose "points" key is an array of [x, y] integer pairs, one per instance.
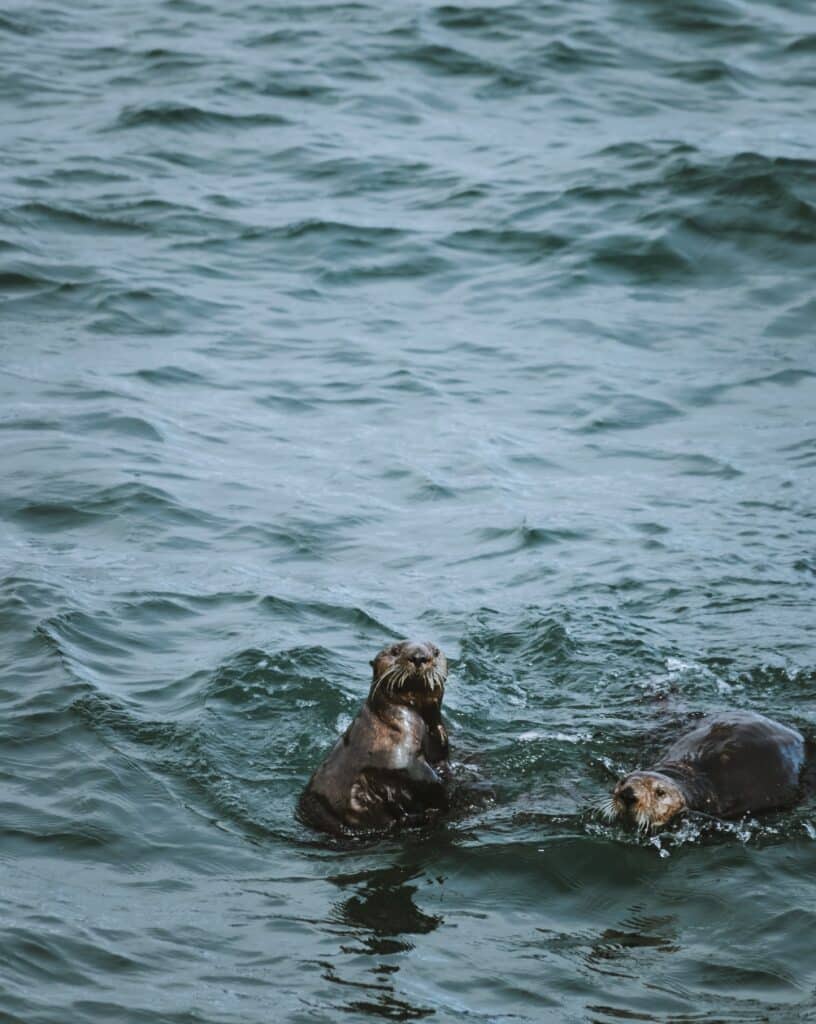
{"points": [[390, 767], [730, 764]]}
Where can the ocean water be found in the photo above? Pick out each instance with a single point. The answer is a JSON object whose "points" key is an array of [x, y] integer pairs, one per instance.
{"points": [[324, 324]]}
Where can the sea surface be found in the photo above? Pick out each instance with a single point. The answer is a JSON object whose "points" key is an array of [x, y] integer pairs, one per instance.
{"points": [[324, 324]]}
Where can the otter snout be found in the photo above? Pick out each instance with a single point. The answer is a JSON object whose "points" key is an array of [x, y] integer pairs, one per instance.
{"points": [[419, 654], [410, 672], [647, 798]]}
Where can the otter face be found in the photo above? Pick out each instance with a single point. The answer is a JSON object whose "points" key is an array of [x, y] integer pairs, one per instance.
{"points": [[649, 799], [410, 673]]}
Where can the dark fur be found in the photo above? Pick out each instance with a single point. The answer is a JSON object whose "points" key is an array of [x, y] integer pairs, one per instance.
{"points": [[737, 762], [728, 765], [390, 767]]}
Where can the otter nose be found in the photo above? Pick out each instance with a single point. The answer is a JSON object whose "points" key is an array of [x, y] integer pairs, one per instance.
{"points": [[627, 795], [418, 654]]}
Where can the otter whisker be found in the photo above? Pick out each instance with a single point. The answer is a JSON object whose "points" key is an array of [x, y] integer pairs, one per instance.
{"points": [[383, 682], [399, 681], [607, 809], [396, 678], [434, 681]]}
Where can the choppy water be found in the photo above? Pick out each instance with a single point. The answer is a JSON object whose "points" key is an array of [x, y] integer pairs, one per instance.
{"points": [[329, 323]]}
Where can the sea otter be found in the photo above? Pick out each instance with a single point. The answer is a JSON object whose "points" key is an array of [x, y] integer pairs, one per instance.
{"points": [[730, 764], [390, 767]]}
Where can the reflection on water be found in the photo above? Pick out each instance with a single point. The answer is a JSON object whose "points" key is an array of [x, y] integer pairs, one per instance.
{"points": [[644, 933], [381, 913], [383, 904]]}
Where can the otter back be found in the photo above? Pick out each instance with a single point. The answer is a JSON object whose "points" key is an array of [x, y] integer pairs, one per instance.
{"points": [[737, 762]]}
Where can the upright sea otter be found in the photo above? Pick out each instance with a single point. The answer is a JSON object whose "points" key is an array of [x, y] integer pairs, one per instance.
{"points": [[730, 764], [390, 767]]}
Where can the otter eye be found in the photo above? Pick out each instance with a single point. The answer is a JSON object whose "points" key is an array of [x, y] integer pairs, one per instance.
{"points": [[660, 792], [395, 649], [435, 651]]}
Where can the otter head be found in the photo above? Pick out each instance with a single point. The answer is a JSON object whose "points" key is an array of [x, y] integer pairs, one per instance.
{"points": [[648, 799], [409, 673]]}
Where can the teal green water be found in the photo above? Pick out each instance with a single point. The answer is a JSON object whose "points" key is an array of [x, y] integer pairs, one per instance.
{"points": [[324, 324]]}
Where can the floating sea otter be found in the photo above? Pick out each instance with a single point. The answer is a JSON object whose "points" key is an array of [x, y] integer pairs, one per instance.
{"points": [[728, 765], [390, 767]]}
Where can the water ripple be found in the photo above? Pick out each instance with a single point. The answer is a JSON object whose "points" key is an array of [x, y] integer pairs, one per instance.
{"points": [[327, 324]]}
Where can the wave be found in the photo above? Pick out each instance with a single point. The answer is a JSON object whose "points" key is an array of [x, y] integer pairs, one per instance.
{"points": [[511, 242], [131, 501], [804, 44], [116, 217], [629, 412], [173, 376], [66, 218], [499, 22], [16, 25], [186, 116]]}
